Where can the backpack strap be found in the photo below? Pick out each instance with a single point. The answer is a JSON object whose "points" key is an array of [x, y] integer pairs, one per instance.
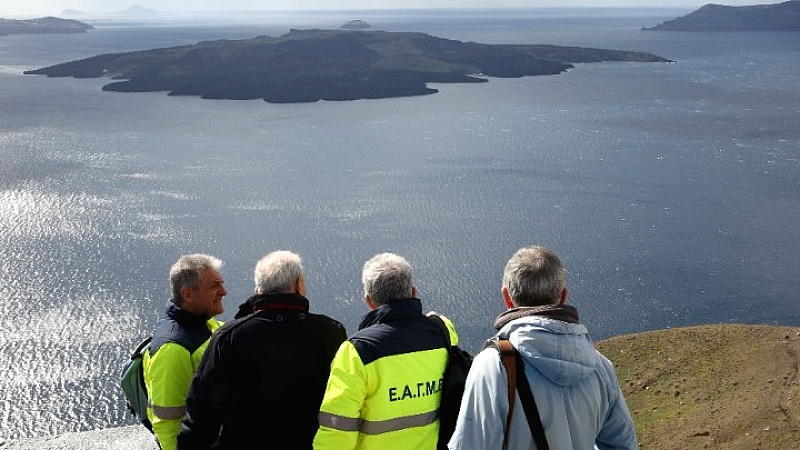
{"points": [[140, 348], [529, 404], [508, 358], [517, 380], [443, 328]]}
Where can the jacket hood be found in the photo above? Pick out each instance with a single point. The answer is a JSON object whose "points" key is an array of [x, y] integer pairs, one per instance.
{"points": [[561, 351]]}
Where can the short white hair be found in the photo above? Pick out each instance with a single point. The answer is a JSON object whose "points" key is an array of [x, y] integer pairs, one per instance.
{"points": [[185, 273], [277, 272], [386, 278]]}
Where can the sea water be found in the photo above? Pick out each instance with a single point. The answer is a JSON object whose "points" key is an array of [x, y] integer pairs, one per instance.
{"points": [[670, 190]]}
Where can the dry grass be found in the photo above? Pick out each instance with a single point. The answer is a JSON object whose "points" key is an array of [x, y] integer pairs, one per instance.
{"points": [[711, 387]]}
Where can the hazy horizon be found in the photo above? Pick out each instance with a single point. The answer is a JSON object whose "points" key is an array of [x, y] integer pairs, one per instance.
{"points": [[19, 8]]}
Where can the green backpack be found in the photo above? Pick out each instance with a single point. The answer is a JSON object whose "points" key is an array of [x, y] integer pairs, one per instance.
{"points": [[132, 384]]}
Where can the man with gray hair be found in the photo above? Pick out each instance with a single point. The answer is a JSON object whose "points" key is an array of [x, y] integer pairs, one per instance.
{"points": [[179, 340], [575, 387], [264, 373], [386, 379]]}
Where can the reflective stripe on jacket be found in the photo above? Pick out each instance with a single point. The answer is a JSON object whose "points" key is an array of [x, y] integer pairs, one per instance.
{"points": [[178, 344], [385, 384]]}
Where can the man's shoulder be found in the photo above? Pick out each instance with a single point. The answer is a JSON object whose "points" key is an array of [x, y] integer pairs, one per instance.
{"points": [[250, 321], [448, 324], [327, 320], [173, 331], [487, 354]]}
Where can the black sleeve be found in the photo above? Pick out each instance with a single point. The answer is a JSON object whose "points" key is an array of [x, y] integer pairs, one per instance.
{"points": [[209, 394]]}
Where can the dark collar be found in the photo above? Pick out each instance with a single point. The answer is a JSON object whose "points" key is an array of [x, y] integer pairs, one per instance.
{"points": [[272, 300], [398, 309], [564, 313], [182, 316]]}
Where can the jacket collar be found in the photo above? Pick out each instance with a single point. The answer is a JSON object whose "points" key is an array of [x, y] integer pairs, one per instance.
{"points": [[564, 313], [399, 309], [182, 316], [272, 300]]}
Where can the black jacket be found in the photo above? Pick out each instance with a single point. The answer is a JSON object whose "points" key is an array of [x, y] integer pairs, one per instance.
{"points": [[262, 377]]}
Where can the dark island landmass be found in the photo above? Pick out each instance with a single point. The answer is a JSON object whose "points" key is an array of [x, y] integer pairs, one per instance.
{"points": [[774, 17], [312, 65], [45, 25]]}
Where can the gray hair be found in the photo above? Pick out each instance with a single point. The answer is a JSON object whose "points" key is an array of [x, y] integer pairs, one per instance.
{"points": [[277, 272], [534, 276], [185, 273], [387, 277]]}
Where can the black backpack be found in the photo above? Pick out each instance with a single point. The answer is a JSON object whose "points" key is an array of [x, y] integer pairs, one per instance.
{"points": [[455, 376]]}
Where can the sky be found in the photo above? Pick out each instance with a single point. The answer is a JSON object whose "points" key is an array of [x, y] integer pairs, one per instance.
{"points": [[39, 8]]}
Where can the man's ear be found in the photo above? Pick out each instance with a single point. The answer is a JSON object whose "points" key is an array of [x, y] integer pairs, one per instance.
{"points": [[300, 286], [564, 295], [186, 294], [369, 302], [507, 298]]}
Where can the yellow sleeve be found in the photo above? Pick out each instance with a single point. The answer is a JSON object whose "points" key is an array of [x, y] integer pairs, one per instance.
{"points": [[168, 376], [342, 402]]}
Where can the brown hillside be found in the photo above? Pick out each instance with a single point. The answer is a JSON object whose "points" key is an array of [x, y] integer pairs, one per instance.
{"points": [[711, 387]]}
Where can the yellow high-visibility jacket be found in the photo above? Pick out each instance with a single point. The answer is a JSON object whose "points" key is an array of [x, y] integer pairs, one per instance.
{"points": [[385, 384], [178, 344]]}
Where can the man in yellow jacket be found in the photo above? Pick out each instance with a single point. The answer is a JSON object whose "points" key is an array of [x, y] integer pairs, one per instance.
{"points": [[385, 383], [179, 340]]}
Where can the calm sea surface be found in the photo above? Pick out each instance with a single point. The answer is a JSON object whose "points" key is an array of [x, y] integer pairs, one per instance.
{"points": [[672, 191]]}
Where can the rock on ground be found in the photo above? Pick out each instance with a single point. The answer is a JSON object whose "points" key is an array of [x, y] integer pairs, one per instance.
{"points": [[133, 437]]}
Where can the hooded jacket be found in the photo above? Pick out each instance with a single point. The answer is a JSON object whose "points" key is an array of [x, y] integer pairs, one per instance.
{"points": [[575, 387]]}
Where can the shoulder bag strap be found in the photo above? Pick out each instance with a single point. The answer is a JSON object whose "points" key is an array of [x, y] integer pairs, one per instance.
{"points": [[508, 357], [529, 404]]}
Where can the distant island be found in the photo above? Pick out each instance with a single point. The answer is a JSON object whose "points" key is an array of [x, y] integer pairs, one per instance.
{"points": [[45, 25], [138, 9], [312, 65], [774, 17], [356, 25], [72, 12]]}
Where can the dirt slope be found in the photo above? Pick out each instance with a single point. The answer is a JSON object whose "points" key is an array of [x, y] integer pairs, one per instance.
{"points": [[711, 387]]}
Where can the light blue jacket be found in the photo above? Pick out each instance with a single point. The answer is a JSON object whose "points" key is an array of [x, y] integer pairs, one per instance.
{"points": [[576, 390]]}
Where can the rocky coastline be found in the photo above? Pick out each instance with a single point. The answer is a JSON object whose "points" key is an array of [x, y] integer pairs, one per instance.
{"points": [[44, 25], [333, 65], [783, 16]]}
